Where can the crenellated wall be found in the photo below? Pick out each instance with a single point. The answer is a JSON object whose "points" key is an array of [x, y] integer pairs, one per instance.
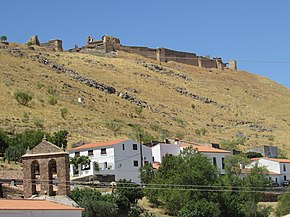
{"points": [[109, 44]]}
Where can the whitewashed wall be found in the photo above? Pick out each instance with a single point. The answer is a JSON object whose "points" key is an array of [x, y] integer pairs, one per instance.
{"points": [[161, 149], [40, 213]]}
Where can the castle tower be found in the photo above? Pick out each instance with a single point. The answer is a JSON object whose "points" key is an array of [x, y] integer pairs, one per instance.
{"points": [[34, 40], [46, 170], [233, 64]]}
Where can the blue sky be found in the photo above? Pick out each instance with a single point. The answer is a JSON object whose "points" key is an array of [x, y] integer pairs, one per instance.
{"points": [[247, 30]]}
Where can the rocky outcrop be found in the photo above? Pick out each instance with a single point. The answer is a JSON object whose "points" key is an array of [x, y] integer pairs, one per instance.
{"points": [[59, 68], [184, 92], [163, 70]]}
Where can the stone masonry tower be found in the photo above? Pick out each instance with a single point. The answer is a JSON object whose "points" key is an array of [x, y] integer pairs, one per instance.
{"points": [[46, 170]]}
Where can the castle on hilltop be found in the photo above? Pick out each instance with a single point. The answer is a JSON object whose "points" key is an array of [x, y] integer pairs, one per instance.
{"points": [[109, 44]]}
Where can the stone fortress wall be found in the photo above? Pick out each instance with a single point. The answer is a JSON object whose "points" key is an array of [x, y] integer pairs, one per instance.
{"points": [[54, 45], [110, 44]]}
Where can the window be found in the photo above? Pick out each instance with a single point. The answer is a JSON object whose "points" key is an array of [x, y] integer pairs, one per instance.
{"points": [[105, 165], [223, 163], [90, 153], [285, 178], [146, 162], [85, 166], [270, 178], [103, 151], [276, 180], [123, 146], [135, 163], [284, 167], [214, 161], [77, 154], [152, 159], [134, 146]]}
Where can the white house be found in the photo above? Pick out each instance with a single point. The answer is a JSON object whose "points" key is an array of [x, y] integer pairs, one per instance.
{"points": [[216, 156], [279, 169], [36, 208], [161, 149], [121, 158]]}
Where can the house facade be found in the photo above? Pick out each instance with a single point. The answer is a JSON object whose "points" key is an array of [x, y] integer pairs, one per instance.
{"points": [[121, 158], [216, 156], [278, 169], [161, 149]]}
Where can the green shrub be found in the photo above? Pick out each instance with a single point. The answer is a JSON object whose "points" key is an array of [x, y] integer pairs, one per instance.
{"points": [[96, 166], [38, 122], [29, 43], [138, 110], [114, 125], [51, 91], [63, 112], [22, 97], [52, 100], [25, 118], [134, 211], [179, 121]]}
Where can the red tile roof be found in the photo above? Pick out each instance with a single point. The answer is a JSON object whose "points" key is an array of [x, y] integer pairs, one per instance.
{"points": [[33, 205], [272, 159], [99, 144], [247, 170], [204, 148]]}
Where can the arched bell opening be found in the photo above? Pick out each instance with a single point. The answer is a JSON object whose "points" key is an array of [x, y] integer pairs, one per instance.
{"points": [[52, 176], [35, 177]]}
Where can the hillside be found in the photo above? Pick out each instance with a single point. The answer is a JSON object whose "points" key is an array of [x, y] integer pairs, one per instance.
{"points": [[187, 101]]}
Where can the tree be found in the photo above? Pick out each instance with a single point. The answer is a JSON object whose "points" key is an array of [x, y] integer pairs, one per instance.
{"points": [[201, 208], [95, 204], [235, 163], [4, 141], [189, 168], [146, 173], [79, 160], [283, 207], [253, 154], [3, 38], [59, 138], [240, 197], [129, 189], [20, 142]]}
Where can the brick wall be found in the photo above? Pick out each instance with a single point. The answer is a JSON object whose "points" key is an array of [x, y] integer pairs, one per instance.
{"points": [[62, 165]]}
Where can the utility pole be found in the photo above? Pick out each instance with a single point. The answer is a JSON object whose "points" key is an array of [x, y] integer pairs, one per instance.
{"points": [[141, 151]]}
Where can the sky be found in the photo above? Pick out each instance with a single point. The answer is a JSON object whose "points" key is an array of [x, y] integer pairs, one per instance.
{"points": [[254, 32]]}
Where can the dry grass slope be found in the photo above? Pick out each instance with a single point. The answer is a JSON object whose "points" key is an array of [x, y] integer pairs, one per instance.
{"points": [[224, 103]]}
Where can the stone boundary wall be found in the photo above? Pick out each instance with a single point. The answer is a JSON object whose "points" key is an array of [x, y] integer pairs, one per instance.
{"points": [[144, 51], [164, 55]]}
